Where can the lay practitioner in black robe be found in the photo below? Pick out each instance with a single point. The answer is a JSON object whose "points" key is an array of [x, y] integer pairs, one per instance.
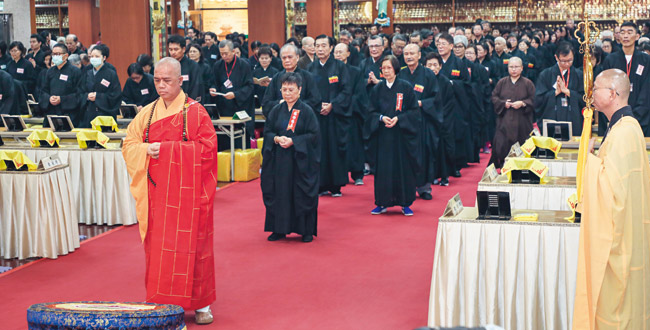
{"points": [[513, 103], [61, 93], [233, 78], [446, 103], [500, 56], [195, 53], [355, 58], [290, 172], [211, 50], [355, 150], [309, 92], [335, 88], [139, 89], [425, 87], [263, 74], [559, 91], [7, 94], [483, 58], [637, 65], [20, 68], [37, 53], [371, 66], [190, 70], [392, 131], [101, 88], [456, 70], [527, 56]]}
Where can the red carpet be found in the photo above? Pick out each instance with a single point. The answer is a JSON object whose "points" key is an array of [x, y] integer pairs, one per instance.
{"points": [[361, 272]]}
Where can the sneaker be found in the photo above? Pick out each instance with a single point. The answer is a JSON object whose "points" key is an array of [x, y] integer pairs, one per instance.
{"points": [[323, 193], [436, 182], [275, 237], [456, 174], [487, 151], [378, 210], [337, 194], [407, 211], [444, 182], [358, 182], [426, 196]]}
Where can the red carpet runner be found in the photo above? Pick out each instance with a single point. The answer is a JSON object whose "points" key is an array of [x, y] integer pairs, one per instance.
{"points": [[362, 272]]}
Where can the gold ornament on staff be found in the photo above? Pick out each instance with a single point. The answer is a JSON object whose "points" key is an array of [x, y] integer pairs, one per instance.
{"points": [[587, 41]]}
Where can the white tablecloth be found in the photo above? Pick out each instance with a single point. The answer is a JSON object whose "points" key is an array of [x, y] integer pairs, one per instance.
{"points": [[37, 214], [100, 182], [550, 196], [512, 274]]}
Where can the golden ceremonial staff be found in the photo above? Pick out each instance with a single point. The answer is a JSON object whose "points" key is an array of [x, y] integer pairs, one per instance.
{"points": [[590, 35]]}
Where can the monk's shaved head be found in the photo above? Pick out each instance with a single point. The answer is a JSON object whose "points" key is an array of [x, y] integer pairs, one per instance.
{"points": [[515, 60], [617, 80], [171, 64]]}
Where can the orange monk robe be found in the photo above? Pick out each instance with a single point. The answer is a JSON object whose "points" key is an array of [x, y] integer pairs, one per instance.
{"points": [[175, 207], [613, 278]]}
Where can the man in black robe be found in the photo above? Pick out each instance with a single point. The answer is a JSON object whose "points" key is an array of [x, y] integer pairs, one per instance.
{"points": [[500, 56], [211, 50], [290, 172], [559, 91], [101, 88], [371, 66], [456, 70], [233, 78], [355, 57], [61, 92], [190, 70], [37, 54], [7, 94], [637, 65], [425, 87], [309, 47], [358, 103], [397, 49], [71, 42], [308, 93], [446, 103], [335, 88]]}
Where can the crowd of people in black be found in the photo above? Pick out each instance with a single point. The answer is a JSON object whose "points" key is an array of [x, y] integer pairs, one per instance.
{"points": [[413, 108]]}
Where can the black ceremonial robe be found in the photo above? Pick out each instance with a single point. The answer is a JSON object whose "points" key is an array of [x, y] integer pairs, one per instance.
{"points": [[425, 87], [513, 125], [478, 83], [24, 72], [560, 107], [241, 79], [211, 54], [290, 177], [456, 70], [393, 152], [309, 93], [448, 105], [7, 94], [501, 62], [206, 81], [108, 98], [139, 94], [369, 65], [493, 76], [66, 83], [335, 87], [192, 79], [639, 74], [259, 90], [39, 58], [358, 103]]}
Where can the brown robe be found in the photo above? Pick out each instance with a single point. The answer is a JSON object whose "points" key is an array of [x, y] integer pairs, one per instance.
{"points": [[513, 125]]}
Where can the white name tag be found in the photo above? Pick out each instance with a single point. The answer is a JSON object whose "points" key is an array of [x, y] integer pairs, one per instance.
{"points": [[639, 70], [3, 67], [144, 91], [213, 56], [186, 77], [227, 83], [105, 82], [21, 70], [0, 96], [63, 77], [565, 102]]}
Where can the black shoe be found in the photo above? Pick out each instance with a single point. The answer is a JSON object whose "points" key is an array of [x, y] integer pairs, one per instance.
{"points": [[436, 182], [444, 182], [276, 236], [456, 174], [307, 238], [426, 196]]}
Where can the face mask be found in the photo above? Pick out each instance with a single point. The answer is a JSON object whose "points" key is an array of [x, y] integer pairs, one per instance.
{"points": [[95, 62], [57, 60]]}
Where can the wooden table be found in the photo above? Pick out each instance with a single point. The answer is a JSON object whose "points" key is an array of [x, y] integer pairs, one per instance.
{"points": [[38, 215], [517, 275]]}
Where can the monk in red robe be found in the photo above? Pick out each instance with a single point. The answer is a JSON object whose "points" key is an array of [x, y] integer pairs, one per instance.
{"points": [[171, 155]]}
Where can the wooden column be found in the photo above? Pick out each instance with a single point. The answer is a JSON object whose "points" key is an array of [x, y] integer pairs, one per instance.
{"points": [[266, 21], [84, 20], [319, 18], [125, 29]]}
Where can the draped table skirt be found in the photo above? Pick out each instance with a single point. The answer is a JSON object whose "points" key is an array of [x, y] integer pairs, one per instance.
{"points": [[38, 215], [552, 195], [518, 275], [100, 182]]}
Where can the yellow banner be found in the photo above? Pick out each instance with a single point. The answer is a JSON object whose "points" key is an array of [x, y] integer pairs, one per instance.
{"points": [[530, 164], [542, 142], [100, 121], [18, 158], [39, 135], [90, 135]]}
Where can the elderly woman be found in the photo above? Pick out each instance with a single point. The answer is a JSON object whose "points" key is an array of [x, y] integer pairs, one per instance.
{"points": [[392, 128], [513, 99], [290, 172]]}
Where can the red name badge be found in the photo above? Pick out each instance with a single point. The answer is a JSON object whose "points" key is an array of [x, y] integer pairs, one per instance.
{"points": [[400, 100], [455, 73], [293, 120]]}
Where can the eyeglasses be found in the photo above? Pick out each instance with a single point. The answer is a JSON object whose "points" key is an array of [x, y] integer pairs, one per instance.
{"points": [[375, 46], [566, 61]]}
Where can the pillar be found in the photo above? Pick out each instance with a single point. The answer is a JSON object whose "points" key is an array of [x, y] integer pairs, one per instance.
{"points": [[266, 21]]}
